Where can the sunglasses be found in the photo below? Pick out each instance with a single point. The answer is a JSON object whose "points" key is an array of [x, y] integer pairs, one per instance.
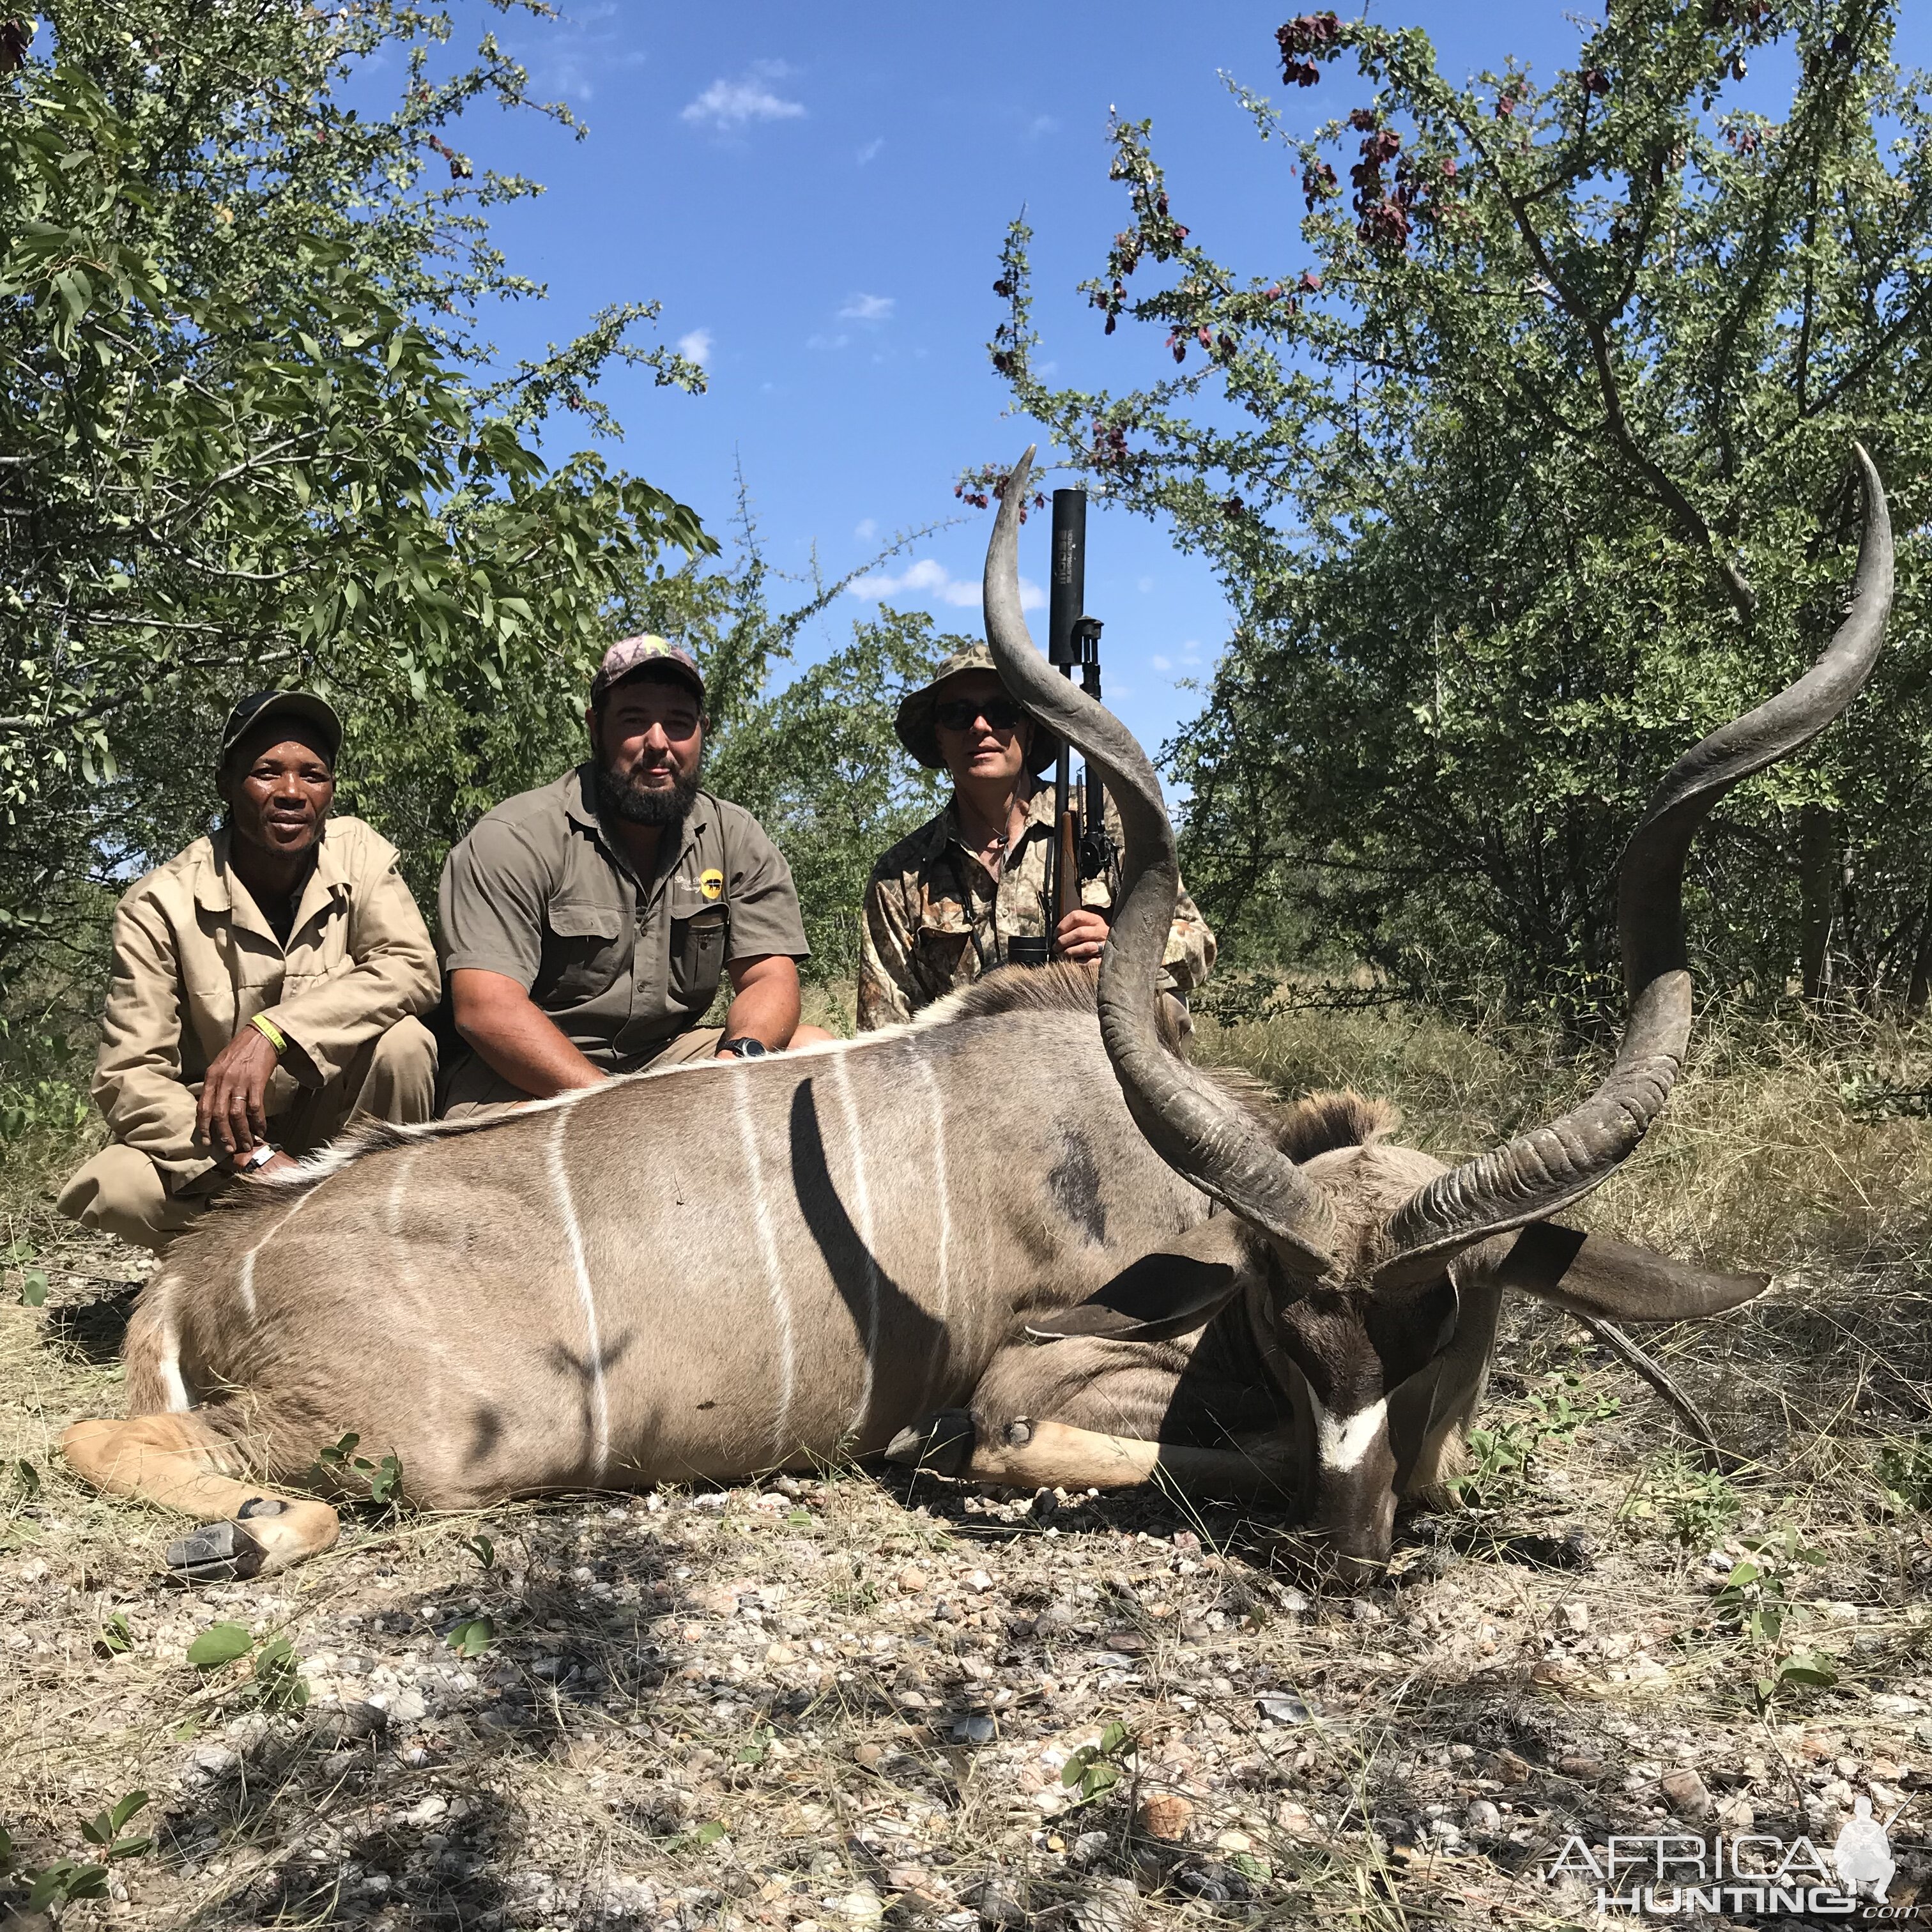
{"points": [[960, 714]]}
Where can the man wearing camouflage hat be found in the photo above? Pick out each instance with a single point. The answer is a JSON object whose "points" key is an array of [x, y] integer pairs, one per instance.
{"points": [[586, 924], [944, 904]]}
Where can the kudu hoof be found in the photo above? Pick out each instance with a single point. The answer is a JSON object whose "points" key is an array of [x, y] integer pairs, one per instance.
{"points": [[943, 1443], [217, 1552]]}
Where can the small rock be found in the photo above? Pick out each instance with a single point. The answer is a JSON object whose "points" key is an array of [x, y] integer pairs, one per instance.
{"points": [[1204, 1882], [780, 1653], [978, 1580], [1231, 1842], [975, 1727], [871, 1756], [1574, 1616], [354, 1722], [1586, 1770], [1000, 1904], [216, 1760], [1293, 1818], [1194, 1630], [1482, 1819], [427, 1813], [1125, 1642], [1090, 1845], [407, 1707], [863, 1906], [1166, 1815], [912, 1581], [1686, 1794], [1511, 1768], [1735, 1814], [1283, 1707]]}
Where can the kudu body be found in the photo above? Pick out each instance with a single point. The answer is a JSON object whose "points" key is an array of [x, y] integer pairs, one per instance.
{"points": [[727, 1268]]}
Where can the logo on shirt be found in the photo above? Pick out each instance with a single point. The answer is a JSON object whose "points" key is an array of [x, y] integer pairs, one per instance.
{"points": [[711, 883]]}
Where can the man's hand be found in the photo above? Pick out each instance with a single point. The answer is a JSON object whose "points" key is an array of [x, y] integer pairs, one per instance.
{"points": [[229, 1113], [1080, 935]]}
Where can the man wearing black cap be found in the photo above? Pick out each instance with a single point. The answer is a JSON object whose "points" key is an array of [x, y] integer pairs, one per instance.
{"points": [[267, 984]]}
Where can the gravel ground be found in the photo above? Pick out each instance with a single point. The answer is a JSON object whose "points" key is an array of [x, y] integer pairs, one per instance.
{"points": [[853, 1698]]}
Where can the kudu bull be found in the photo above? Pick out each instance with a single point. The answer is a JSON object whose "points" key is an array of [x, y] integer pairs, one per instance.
{"points": [[734, 1267]]}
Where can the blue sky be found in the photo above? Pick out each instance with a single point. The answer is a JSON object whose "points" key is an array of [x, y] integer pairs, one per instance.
{"points": [[817, 197]]}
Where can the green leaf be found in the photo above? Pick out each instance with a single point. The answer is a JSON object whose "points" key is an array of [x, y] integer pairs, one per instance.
{"points": [[473, 1637], [115, 1636], [709, 1834], [28, 1477], [483, 1550], [219, 1644], [34, 1288]]}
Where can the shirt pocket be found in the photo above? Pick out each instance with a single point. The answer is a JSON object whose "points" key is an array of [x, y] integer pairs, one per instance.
{"points": [[943, 951], [700, 928], [583, 952]]}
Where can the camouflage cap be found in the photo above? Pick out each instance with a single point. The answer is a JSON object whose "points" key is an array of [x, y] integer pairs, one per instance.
{"points": [[915, 726], [636, 654]]}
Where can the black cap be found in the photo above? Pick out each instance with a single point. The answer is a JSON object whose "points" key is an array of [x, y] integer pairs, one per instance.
{"points": [[259, 707]]}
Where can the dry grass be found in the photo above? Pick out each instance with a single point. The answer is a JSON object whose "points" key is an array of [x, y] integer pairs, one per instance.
{"points": [[760, 1707]]}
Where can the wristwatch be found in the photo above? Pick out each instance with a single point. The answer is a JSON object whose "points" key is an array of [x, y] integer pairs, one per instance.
{"points": [[744, 1047]]}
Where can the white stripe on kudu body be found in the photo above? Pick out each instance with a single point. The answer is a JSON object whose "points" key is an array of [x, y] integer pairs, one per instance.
{"points": [[782, 1445], [566, 1209], [1342, 1441], [862, 1199], [247, 1281], [944, 1259]]}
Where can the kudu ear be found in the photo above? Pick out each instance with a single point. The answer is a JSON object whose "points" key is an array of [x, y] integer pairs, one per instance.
{"points": [[1173, 1292], [1617, 1281]]}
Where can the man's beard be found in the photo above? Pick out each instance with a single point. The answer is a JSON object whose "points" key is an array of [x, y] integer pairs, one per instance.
{"points": [[663, 805]]}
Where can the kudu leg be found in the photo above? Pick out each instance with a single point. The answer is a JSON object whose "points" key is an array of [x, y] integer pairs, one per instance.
{"points": [[1030, 1454], [1031, 1424], [179, 1462]]}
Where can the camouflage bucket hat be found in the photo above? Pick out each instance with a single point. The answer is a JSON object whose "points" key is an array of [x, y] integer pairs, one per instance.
{"points": [[915, 725]]}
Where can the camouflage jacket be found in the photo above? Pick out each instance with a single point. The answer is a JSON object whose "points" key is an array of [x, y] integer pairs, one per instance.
{"points": [[935, 919]]}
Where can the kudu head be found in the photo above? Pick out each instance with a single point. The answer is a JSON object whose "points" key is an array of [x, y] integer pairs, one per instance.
{"points": [[1366, 1283]]}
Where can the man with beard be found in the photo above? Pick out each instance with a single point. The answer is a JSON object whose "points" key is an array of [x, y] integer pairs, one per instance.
{"points": [[586, 926]]}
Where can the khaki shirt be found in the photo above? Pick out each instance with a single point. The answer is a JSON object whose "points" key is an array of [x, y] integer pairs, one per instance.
{"points": [[539, 893], [195, 960], [935, 919]]}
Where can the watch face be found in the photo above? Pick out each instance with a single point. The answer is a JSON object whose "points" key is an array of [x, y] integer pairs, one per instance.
{"points": [[749, 1049]]}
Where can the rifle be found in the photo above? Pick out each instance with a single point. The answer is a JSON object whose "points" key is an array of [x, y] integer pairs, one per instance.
{"points": [[1082, 851]]}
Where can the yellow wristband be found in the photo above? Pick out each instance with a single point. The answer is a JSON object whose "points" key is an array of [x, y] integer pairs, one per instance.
{"points": [[269, 1031]]}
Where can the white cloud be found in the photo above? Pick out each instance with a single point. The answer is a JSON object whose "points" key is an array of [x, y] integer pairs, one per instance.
{"points": [[931, 580], [729, 104], [868, 308], [865, 530], [1144, 585], [697, 345], [1160, 663], [826, 341], [871, 151]]}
